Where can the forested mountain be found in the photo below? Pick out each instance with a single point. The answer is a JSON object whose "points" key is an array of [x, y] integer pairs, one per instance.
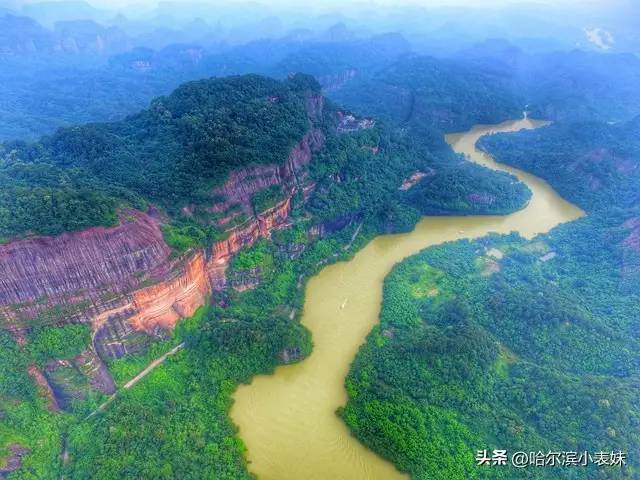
{"points": [[172, 177], [595, 165], [584, 86], [240, 184], [575, 85], [172, 154], [417, 91], [497, 78], [175, 153], [507, 343]]}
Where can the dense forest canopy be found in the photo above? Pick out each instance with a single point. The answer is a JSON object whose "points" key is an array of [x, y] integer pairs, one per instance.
{"points": [[499, 342], [503, 360], [507, 343], [176, 150], [595, 165], [171, 154], [418, 90]]}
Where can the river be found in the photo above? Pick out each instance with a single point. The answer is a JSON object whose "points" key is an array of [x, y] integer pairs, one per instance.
{"points": [[287, 420]]}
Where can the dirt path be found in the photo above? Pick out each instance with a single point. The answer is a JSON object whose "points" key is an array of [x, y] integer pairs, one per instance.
{"points": [[148, 369]]}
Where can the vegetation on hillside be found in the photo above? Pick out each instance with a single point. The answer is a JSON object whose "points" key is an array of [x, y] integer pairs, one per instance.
{"points": [[503, 343], [418, 91], [476, 353], [171, 154], [594, 165], [180, 410]]}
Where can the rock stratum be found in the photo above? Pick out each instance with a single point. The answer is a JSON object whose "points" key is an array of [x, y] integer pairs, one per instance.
{"points": [[123, 280]]}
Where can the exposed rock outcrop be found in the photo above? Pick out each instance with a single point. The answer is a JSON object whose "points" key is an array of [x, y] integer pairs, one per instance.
{"points": [[243, 184], [336, 81], [124, 281], [109, 275], [44, 386], [179, 296], [14, 460], [92, 366], [80, 273], [246, 279], [349, 123], [72, 380], [414, 178]]}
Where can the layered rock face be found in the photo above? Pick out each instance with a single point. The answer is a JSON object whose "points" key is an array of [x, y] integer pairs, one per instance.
{"points": [[82, 271], [163, 304], [243, 184], [74, 379], [158, 307], [338, 80], [238, 191], [123, 280]]}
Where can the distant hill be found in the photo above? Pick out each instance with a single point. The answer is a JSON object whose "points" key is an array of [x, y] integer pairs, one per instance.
{"points": [[569, 86], [24, 36], [419, 91], [595, 165], [66, 10]]}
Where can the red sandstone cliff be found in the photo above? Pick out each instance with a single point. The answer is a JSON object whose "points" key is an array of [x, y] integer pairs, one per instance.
{"points": [[82, 271], [124, 282], [177, 297], [122, 279], [238, 190]]}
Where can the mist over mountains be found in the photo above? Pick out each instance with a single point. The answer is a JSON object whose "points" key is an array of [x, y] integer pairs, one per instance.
{"points": [[173, 175], [68, 61], [430, 28]]}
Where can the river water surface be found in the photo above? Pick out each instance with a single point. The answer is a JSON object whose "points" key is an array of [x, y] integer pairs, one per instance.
{"points": [[287, 420]]}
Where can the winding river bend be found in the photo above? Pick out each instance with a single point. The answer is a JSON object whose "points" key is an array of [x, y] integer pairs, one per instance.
{"points": [[287, 419]]}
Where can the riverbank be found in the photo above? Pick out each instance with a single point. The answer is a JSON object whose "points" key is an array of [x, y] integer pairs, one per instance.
{"points": [[287, 420]]}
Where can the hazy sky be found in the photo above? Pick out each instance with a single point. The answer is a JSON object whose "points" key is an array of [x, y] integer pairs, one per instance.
{"points": [[337, 3]]}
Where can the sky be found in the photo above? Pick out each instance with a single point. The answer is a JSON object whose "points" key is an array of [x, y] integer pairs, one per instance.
{"points": [[475, 3], [316, 6], [114, 4]]}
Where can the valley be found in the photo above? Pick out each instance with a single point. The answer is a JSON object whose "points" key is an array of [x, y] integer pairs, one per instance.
{"points": [[288, 420], [283, 241]]}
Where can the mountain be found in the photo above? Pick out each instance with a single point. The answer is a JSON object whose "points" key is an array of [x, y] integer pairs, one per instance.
{"points": [[585, 86], [594, 165], [417, 90], [180, 159], [518, 333], [67, 10], [137, 238], [24, 36], [89, 37], [566, 86], [209, 160], [336, 63]]}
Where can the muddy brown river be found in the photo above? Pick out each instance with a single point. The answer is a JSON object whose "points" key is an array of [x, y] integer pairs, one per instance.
{"points": [[287, 420]]}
